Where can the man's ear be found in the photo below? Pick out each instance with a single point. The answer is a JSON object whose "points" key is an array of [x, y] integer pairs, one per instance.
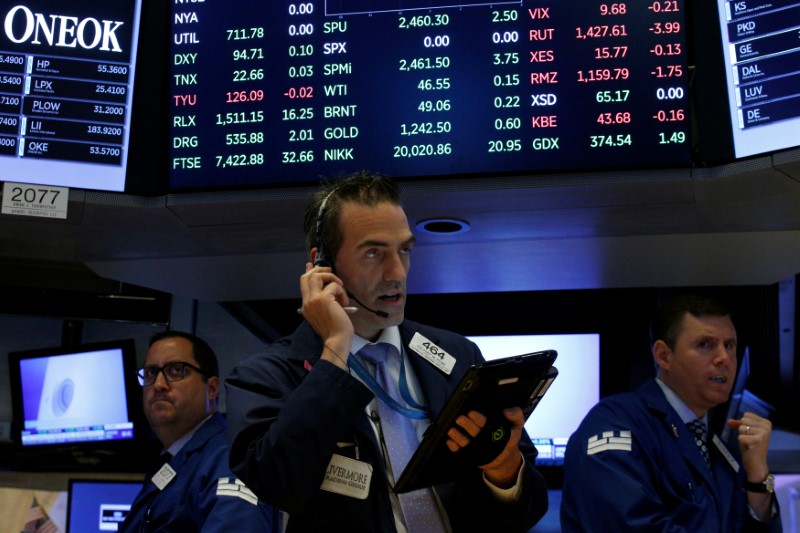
{"points": [[213, 388], [320, 259], [662, 355]]}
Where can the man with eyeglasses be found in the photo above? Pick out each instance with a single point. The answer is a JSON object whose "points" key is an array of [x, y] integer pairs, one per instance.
{"points": [[191, 487]]}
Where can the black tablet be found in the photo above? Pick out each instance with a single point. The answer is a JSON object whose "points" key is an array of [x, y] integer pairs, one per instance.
{"points": [[488, 388]]}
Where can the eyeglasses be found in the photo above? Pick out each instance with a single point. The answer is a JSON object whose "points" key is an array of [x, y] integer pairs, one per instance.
{"points": [[172, 372]]}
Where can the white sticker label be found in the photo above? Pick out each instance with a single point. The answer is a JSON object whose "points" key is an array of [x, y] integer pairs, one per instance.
{"points": [[35, 200], [432, 353], [347, 477], [163, 477], [725, 453]]}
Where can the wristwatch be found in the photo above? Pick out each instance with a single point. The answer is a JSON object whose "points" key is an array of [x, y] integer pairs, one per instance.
{"points": [[768, 485]]}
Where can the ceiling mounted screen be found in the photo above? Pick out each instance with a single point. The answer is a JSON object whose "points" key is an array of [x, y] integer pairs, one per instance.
{"points": [[66, 84], [280, 93]]}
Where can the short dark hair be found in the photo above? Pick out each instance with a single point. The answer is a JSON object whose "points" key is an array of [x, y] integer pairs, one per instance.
{"points": [[667, 319], [202, 352], [321, 222]]}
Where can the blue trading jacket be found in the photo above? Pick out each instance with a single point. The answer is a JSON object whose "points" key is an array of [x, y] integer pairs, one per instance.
{"points": [[646, 473], [204, 495]]}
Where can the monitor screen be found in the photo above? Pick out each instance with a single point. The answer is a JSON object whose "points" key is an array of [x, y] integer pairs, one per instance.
{"points": [[66, 91], [95, 505], [73, 395], [574, 392], [277, 93], [760, 56]]}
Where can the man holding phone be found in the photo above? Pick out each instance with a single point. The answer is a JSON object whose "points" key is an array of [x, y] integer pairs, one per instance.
{"points": [[314, 419], [648, 459]]}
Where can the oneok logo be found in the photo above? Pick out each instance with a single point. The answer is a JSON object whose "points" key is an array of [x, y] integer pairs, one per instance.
{"points": [[62, 30]]}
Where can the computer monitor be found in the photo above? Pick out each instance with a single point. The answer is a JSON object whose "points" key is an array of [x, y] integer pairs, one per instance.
{"points": [[746, 58], [569, 398], [67, 87], [95, 505], [277, 94], [74, 395]]}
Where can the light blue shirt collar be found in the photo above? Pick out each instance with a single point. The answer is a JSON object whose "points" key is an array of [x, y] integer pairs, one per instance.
{"points": [[181, 442], [389, 335], [686, 414]]}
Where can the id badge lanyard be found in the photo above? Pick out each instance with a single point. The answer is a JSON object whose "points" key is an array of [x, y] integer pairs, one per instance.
{"points": [[414, 411]]}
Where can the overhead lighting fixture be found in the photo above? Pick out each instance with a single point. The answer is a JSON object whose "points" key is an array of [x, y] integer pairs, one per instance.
{"points": [[126, 297], [443, 226]]}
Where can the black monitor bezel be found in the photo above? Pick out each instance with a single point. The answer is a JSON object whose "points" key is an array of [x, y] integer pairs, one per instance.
{"points": [[132, 395]]}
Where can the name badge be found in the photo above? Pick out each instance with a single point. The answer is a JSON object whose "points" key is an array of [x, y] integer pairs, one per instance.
{"points": [[432, 353], [163, 477], [725, 453], [347, 477]]}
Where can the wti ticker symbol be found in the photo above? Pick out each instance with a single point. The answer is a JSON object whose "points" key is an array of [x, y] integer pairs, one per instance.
{"points": [[22, 25]]}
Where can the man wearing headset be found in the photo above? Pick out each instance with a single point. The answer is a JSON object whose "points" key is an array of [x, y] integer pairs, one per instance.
{"points": [[305, 434]]}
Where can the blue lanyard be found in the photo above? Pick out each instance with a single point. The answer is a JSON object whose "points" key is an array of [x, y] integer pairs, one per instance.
{"points": [[416, 411]]}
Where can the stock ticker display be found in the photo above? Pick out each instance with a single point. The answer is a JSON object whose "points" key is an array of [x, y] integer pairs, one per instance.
{"points": [[66, 78], [284, 92], [761, 48]]}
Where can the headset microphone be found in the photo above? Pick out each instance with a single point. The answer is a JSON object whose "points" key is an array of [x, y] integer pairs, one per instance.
{"points": [[382, 314], [321, 260]]}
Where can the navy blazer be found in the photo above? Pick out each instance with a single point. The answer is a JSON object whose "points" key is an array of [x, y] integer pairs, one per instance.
{"points": [[289, 412], [203, 495], [656, 479]]}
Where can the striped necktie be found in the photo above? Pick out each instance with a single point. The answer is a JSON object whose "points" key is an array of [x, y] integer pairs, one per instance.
{"points": [[420, 510]]}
